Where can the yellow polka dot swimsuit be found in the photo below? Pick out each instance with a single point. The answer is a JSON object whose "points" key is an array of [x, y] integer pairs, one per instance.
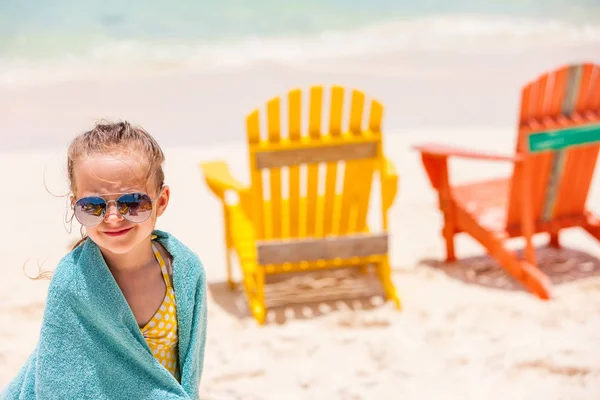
{"points": [[161, 331]]}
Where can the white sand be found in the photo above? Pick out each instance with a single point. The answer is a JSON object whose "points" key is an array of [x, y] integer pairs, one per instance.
{"points": [[456, 338]]}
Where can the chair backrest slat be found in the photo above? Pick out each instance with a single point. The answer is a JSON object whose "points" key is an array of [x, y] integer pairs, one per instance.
{"points": [[295, 135]]}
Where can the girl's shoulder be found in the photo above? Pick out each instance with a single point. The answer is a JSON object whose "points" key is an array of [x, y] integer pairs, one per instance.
{"points": [[176, 248], [66, 278], [184, 260], [66, 266]]}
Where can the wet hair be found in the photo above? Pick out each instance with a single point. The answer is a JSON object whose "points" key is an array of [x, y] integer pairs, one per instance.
{"points": [[115, 138]]}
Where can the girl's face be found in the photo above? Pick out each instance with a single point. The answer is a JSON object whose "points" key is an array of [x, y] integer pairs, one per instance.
{"points": [[109, 176]]}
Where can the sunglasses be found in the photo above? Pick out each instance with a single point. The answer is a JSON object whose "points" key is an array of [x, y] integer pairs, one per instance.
{"points": [[133, 207]]}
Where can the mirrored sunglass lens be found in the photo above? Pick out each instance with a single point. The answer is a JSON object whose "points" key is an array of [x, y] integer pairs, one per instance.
{"points": [[90, 210], [135, 207]]}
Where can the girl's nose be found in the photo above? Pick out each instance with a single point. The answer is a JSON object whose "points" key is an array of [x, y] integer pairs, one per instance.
{"points": [[112, 213]]}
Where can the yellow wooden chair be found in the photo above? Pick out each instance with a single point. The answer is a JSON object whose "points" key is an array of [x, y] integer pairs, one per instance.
{"points": [[273, 234]]}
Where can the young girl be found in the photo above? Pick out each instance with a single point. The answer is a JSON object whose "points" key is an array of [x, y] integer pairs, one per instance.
{"points": [[125, 315]]}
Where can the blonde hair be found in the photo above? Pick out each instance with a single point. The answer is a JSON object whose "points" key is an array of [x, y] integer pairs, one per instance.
{"points": [[117, 137]]}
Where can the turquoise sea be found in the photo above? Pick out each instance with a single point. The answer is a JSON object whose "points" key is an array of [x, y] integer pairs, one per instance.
{"points": [[49, 38]]}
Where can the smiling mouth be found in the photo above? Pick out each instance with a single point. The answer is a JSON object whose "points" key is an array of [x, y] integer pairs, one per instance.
{"points": [[118, 233]]}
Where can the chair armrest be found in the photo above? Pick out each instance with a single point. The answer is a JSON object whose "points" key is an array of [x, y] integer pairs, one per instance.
{"points": [[219, 179], [440, 150]]}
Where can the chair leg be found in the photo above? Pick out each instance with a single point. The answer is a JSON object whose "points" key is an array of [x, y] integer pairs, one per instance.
{"points": [[448, 209], [257, 302], [525, 271], [249, 287], [232, 284], [384, 271], [228, 250], [592, 226], [363, 269], [535, 280], [448, 233], [554, 240]]}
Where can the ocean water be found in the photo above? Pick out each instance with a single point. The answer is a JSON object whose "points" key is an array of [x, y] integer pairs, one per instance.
{"points": [[48, 40]]}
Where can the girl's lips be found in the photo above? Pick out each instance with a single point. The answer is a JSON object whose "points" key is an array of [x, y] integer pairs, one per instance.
{"points": [[118, 233]]}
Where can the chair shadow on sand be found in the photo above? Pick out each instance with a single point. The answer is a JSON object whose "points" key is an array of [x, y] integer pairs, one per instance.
{"points": [[561, 265], [306, 295]]}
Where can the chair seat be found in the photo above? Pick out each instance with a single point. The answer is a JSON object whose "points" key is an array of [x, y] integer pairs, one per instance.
{"points": [[486, 201]]}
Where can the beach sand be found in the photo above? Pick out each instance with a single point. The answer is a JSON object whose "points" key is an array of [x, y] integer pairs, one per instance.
{"points": [[466, 330]]}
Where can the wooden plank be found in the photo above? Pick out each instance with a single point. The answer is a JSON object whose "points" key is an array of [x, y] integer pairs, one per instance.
{"points": [[559, 87], [329, 248], [253, 128], [366, 170], [559, 141], [528, 98], [356, 113], [312, 184], [375, 117], [253, 132], [335, 129], [336, 111], [351, 171], [528, 94], [295, 129], [554, 111], [540, 164], [572, 90], [336, 152], [316, 103], [553, 182], [322, 264], [593, 105], [363, 191], [273, 113]]}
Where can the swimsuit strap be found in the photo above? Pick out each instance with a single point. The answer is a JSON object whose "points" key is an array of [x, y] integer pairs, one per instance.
{"points": [[163, 266]]}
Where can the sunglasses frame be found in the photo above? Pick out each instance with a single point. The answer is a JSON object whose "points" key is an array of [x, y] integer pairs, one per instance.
{"points": [[103, 216]]}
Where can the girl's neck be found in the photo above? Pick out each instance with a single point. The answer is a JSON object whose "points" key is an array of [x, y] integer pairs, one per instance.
{"points": [[138, 258]]}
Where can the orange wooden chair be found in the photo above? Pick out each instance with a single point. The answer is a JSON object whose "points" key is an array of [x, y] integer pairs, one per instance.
{"points": [[556, 152], [272, 231]]}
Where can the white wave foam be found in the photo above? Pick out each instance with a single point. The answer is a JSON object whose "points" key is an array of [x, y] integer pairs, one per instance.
{"points": [[463, 32]]}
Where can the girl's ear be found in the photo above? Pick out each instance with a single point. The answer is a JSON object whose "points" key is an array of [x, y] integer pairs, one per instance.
{"points": [[163, 200]]}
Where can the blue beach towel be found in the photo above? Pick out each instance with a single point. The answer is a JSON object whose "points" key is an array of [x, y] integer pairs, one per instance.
{"points": [[90, 345]]}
